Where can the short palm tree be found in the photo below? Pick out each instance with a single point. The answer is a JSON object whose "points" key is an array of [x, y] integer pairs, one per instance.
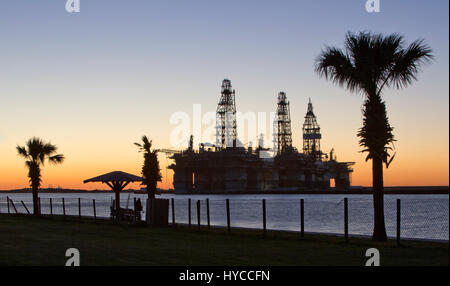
{"points": [[368, 63], [150, 169], [36, 152]]}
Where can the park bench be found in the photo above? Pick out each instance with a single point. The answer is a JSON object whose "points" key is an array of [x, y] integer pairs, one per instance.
{"points": [[126, 215]]}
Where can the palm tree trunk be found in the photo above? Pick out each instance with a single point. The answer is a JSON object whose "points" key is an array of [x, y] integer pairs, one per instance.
{"points": [[150, 192], [149, 207], [379, 230], [151, 197], [36, 206]]}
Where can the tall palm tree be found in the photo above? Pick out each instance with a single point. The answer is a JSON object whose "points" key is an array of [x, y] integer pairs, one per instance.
{"points": [[150, 169], [368, 63], [36, 152]]}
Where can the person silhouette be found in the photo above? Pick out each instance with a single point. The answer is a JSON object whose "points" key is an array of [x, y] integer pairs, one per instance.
{"points": [[138, 208]]}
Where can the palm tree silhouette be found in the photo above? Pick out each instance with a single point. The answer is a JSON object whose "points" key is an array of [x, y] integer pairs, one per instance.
{"points": [[150, 169], [368, 63], [36, 152]]}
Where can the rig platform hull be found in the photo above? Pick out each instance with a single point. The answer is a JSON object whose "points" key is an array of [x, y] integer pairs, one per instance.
{"points": [[239, 170]]}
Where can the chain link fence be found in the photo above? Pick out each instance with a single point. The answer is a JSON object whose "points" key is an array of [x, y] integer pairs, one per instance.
{"points": [[421, 217]]}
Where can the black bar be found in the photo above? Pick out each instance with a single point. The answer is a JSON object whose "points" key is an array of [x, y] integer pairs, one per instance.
{"points": [[51, 207], [207, 213], [398, 221], [95, 211], [198, 214], [228, 216], [64, 207], [173, 212], [7, 200], [189, 212], [346, 218], [264, 215], [302, 217], [39, 206], [79, 207]]}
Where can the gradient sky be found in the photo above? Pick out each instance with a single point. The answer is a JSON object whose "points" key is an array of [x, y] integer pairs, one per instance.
{"points": [[94, 82]]}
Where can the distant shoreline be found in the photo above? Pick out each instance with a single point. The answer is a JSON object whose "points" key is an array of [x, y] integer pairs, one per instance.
{"points": [[418, 190], [409, 190]]}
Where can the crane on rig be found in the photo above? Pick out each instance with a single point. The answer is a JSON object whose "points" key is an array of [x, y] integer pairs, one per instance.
{"points": [[169, 151]]}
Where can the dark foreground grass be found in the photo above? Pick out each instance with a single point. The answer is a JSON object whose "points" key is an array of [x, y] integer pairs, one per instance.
{"points": [[43, 241]]}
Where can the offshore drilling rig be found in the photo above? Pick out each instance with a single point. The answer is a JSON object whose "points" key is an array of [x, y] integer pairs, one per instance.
{"points": [[228, 168]]}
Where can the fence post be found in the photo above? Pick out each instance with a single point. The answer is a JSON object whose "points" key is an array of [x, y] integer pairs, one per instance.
{"points": [[398, 221], [228, 215], [346, 218], [302, 217], [39, 206], [79, 208], [7, 200], [95, 211], [25, 207], [64, 207], [173, 212], [51, 207], [198, 214], [264, 216], [148, 211], [189, 212], [12, 203], [207, 213]]}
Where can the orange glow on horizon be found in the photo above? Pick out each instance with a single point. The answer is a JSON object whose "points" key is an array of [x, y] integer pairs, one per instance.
{"points": [[419, 172]]}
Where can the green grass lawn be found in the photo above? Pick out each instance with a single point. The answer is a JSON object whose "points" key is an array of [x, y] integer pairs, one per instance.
{"points": [[27, 240]]}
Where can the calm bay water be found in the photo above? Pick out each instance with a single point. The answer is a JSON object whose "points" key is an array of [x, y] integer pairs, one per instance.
{"points": [[423, 216]]}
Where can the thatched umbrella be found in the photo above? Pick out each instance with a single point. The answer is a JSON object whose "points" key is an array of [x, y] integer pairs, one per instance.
{"points": [[117, 181]]}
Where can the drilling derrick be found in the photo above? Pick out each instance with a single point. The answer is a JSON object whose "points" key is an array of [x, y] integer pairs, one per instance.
{"points": [[226, 117], [311, 134], [284, 134]]}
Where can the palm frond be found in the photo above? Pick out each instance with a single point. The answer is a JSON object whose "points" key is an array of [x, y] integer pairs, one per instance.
{"points": [[147, 143], [336, 66], [34, 146], [145, 146], [56, 159], [47, 149], [408, 62], [22, 151], [388, 162]]}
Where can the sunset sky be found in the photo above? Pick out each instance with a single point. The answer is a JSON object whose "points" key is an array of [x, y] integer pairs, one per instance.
{"points": [[94, 82]]}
